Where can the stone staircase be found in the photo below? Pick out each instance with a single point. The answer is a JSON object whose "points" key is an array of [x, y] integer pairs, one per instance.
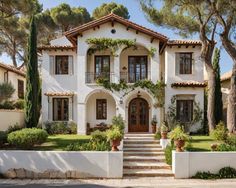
{"points": [[143, 157]]}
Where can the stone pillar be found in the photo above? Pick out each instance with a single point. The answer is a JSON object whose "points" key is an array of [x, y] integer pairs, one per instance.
{"points": [[81, 119], [155, 68], [117, 67]]}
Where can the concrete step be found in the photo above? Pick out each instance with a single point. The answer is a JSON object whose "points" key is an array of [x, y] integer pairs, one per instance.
{"points": [[160, 158], [145, 165], [139, 153], [142, 146], [148, 172], [138, 138], [139, 135], [141, 142], [142, 149]]}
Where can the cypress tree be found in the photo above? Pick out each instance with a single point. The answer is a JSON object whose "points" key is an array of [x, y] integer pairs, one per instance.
{"points": [[32, 79], [218, 94]]}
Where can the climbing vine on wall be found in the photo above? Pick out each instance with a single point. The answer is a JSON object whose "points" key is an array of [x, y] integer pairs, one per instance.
{"points": [[100, 44], [156, 90]]}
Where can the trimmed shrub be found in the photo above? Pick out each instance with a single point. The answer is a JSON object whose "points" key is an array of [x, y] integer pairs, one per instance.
{"points": [[227, 172], [98, 136], [89, 146], [205, 175], [220, 132], [231, 140], [19, 104], [168, 154], [56, 128], [9, 105], [13, 128], [226, 147], [72, 126], [27, 138], [3, 138]]}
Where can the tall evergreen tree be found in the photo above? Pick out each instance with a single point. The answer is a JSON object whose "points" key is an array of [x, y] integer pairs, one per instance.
{"points": [[32, 80], [218, 94]]}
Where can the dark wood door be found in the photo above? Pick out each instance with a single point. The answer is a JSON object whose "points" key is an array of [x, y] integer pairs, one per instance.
{"points": [[138, 115]]}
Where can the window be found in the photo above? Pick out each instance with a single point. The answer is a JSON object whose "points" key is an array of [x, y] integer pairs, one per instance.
{"points": [[102, 66], [21, 89], [60, 109], [185, 63], [137, 68], [6, 76], [101, 108], [62, 65], [184, 110]]}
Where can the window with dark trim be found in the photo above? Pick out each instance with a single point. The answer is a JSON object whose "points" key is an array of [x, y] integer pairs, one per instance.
{"points": [[6, 76], [60, 109], [101, 109], [137, 68], [185, 63], [184, 110], [62, 65], [102, 66], [21, 89]]}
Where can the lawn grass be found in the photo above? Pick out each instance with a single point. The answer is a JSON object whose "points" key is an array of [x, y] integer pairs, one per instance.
{"points": [[202, 143], [59, 142]]}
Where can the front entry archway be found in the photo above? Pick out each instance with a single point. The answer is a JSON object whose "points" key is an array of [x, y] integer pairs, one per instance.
{"points": [[138, 115]]}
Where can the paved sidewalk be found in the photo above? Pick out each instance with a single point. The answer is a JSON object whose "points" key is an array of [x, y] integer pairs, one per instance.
{"points": [[104, 183]]}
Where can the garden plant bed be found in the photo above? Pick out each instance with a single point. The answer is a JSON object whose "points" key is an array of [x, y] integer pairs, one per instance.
{"points": [[202, 143]]}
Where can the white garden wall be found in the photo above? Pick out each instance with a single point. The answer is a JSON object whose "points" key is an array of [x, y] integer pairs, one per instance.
{"points": [[11, 117], [93, 164], [187, 164]]}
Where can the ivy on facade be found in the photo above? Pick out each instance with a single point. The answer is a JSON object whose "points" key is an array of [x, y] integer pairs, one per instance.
{"points": [[156, 90], [101, 44]]}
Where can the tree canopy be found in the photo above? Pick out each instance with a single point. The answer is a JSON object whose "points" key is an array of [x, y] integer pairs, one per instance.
{"points": [[107, 8]]}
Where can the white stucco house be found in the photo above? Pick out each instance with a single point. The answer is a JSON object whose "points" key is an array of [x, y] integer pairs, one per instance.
{"points": [[69, 73], [16, 77]]}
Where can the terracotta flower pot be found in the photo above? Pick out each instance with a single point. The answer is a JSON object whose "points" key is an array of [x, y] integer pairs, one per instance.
{"points": [[115, 144], [154, 128], [179, 145], [164, 135]]}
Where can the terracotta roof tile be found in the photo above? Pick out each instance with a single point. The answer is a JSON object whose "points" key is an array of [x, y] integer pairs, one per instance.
{"points": [[13, 69], [226, 76], [189, 84], [184, 42], [52, 47], [64, 93], [113, 17]]}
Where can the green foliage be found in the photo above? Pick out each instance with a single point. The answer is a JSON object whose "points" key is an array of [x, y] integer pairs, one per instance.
{"points": [[178, 134], [220, 132], [98, 136], [90, 146], [7, 105], [218, 94], [152, 51], [157, 135], [56, 128], [32, 108], [168, 154], [114, 134], [19, 104], [231, 139], [72, 126], [225, 147], [27, 138], [164, 128], [6, 91], [224, 173], [107, 8], [118, 121], [101, 44], [3, 138], [13, 128]]}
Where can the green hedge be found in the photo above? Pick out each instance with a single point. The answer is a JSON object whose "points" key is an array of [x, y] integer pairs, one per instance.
{"points": [[27, 138], [61, 128], [168, 154]]}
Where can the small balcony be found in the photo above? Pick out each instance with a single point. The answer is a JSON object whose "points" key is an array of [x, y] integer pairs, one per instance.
{"points": [[91, 77], [134, 77]]}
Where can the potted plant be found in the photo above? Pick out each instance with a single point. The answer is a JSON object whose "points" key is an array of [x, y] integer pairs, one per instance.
{"points": [[179, 138], [164, 131], [154, 125], [115, 135]]}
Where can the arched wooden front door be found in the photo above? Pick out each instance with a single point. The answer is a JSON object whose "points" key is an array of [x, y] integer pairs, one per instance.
{"points": [[138, 115]]}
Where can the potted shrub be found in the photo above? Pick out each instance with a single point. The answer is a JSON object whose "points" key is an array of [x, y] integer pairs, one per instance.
{"points": [[154, 125], [115, 135], [179, 138], [164, 131]]}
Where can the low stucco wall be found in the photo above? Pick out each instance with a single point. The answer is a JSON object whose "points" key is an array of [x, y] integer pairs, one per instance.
{"points": [[11, 117], [187, 164], [86, 164]]}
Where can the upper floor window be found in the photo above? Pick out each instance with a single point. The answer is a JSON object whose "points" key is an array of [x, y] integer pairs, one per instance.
{"points": [[101, 109], [184, 110], [21, 89], [62, 65], [60, 109], [184, 63], [102, 66], [137, 68]]}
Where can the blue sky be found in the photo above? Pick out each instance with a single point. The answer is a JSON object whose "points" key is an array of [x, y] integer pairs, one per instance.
{"points": [[136, 15]]}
